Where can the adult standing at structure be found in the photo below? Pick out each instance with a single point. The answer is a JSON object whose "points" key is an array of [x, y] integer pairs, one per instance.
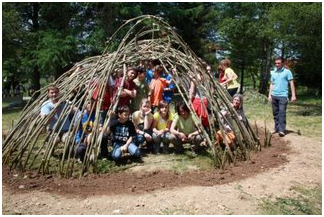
{"points": [[278, 94], [230, 83]]}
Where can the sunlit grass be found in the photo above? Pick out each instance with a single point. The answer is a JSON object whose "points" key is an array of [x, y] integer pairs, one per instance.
{"points": [[9, 118], [306, 202], [304, 116]]}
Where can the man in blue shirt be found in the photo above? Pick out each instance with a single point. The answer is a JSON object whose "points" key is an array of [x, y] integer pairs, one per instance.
{"points": [[54, 110], [278, 94]]}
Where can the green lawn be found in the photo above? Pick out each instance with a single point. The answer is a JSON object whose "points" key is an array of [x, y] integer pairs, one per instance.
{"points": [[9, 117], [304, 116], [307, 202]]}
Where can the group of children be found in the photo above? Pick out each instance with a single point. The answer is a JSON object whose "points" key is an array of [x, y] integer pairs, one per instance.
{"points": [[142, 119]]}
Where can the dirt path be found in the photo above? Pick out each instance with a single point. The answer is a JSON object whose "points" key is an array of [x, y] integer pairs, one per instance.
{"points": [[236, 197]]}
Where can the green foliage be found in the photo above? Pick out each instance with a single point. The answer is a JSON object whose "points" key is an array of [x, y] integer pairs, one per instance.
{"points": [[290, 30], [249, 31], [11, 34], [307, 202], [54, 51]]}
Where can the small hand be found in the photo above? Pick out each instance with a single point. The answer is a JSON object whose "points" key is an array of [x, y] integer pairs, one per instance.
{"points": [[123, 148], [190, 135], [123, 94], [160, 132], [147, 112]]}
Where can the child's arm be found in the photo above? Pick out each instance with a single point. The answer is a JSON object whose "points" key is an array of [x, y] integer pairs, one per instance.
{"points": [[195, 133], [156, 131], [176, 132], [128, 142], [147, 121], [130, 93]]}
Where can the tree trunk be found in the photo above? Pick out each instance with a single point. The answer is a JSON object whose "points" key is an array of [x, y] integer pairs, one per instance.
{"points": [[35, 80], [253, 80], [36, 74], [265, 68], [242, 78]]}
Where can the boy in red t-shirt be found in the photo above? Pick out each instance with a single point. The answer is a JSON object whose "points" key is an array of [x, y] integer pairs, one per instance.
{"points": [[129, 89]]}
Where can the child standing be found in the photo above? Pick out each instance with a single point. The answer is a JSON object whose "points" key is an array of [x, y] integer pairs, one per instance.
{"points": [[129, 88], [123, 134], [157, 86], [142, 89]]}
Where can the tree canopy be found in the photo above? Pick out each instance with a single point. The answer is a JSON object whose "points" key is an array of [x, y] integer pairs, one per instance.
{"points": [[42, 39]]}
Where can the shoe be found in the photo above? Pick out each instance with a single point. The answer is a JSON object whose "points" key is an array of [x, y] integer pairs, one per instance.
{"points": [[195, 150], [274, 132], [281, 134]]}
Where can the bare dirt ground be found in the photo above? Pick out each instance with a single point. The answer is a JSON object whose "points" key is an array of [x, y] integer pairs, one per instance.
{"points": [[291, 161]]}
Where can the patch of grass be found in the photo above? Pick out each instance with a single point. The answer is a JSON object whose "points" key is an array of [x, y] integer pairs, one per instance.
{"points": [[179, 163], [10, 118], [307, 202], [5, 104], [109, 166], [304, 116], [177, 211]]}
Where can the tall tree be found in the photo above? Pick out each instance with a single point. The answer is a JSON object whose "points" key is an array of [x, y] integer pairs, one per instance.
{"points": [[12, 41], [239, 29], [300, 40]]}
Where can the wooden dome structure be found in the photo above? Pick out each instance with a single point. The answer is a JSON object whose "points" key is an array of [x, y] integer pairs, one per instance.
{"points": [[146, 37]]}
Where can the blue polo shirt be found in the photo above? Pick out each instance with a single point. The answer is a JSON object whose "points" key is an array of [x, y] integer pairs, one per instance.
{"points": [[280, 80], [46, 109]]}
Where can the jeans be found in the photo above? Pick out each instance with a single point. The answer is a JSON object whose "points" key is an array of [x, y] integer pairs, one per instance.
{"points": [[279, 107], [139, 139], [132, 149], [80, 150], [104, 146]]}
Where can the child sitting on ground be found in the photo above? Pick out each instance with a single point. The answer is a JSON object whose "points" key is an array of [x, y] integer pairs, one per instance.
{"points": [[143, 119], [183, 130], [123, 134], [229, 135], [161, 127]]}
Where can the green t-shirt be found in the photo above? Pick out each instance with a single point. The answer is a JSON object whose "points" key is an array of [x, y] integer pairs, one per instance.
{"points": [[142, 91], [185, 126]]}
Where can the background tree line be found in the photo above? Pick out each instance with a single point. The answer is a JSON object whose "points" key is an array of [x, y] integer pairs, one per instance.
{"points": [[43, 39]]}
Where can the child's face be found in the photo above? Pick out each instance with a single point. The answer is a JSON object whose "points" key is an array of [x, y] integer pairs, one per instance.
{"points": [[53, 94], [236, 102], [184, 113], [164, 110], [131, 74], [146, 107], [141, 76], [123, 117], [155, 74], [90, 105]]}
